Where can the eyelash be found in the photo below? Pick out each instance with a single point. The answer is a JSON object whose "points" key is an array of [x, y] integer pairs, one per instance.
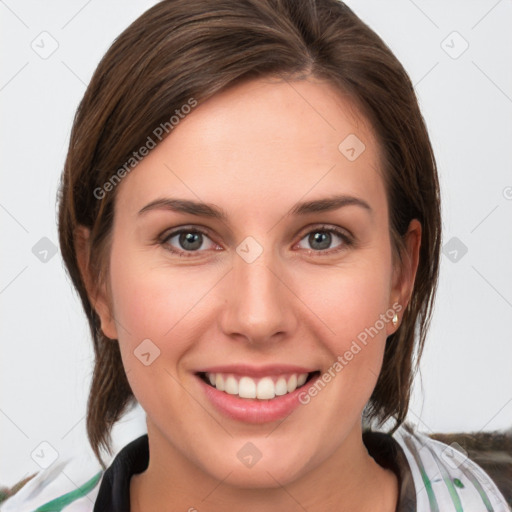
{"points": [[347, 240]]}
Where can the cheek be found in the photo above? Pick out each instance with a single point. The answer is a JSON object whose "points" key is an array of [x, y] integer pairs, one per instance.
{"points": [[171, 308], [156, 325], [150, 298], [351, 301], [354, 305]]}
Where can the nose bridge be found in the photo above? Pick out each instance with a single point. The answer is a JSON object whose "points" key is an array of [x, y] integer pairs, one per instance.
{"points": [[258, 304]]}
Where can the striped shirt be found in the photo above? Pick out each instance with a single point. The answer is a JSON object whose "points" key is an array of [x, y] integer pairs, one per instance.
{"points": [[433, 476]]}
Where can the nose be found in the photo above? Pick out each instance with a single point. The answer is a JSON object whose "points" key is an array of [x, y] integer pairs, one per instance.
{"points": [[259, 305]]}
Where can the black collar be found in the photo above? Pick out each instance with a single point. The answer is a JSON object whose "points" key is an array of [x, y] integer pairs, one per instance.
{"points": [[114, 493]]}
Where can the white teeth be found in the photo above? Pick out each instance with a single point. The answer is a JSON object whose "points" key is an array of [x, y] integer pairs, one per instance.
{"points": [[301, 379], [219, 382], [281, 386], [292, 383], [265, 388], [231, 385], [246, 388]]}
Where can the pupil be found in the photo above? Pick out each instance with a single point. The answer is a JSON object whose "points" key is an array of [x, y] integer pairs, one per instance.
{"points": [[321, 237], [190, 241]]}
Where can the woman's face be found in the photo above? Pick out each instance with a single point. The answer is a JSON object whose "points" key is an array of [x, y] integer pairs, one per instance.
{"points": [[251, 248]]}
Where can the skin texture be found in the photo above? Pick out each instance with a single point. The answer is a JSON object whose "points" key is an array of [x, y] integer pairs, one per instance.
{"points": [[256, 150]]}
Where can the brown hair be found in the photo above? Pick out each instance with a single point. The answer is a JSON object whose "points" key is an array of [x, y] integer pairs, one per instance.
{"points": [[183, 49]]}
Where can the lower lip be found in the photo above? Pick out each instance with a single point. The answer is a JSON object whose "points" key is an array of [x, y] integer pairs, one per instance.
{"points": [[253, 410]]}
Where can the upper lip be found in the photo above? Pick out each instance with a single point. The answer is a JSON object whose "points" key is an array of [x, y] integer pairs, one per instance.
{"points": [[256, 371]]}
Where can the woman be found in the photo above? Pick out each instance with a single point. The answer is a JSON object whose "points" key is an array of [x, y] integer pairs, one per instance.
{"points": [[250, 213]]}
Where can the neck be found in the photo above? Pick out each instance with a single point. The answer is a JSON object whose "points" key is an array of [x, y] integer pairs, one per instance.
{"points": [[348, 480]]}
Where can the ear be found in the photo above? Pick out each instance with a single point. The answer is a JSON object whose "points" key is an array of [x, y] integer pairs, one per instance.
{"points": [[97, 292], [404, 273]]}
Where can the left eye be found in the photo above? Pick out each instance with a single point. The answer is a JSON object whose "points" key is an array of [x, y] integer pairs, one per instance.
{"points": [[321, 239]]}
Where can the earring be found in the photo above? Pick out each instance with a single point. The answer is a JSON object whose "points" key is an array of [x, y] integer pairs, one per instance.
{"points": [[395, 320]]}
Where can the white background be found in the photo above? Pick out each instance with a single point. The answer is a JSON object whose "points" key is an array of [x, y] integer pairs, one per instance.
{"points": [[46, 355]]}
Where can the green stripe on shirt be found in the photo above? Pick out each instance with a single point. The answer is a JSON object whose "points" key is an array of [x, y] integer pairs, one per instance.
{"points": [[57, 504]]}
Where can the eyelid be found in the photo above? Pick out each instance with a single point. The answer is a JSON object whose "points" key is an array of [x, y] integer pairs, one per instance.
{"points": [[325, 227], [189, 228]]}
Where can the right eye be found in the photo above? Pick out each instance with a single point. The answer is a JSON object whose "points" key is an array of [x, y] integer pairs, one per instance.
{"points": [[186, 241]]}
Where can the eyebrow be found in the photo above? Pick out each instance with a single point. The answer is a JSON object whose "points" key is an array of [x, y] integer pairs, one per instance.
{"points": [[214, 212]]}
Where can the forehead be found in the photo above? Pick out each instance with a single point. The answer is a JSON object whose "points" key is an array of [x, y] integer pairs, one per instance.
{"points": [[277, 141]]}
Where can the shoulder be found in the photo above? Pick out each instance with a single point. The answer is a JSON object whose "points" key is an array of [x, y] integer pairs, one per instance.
{"points": [[79, 483], [68, 485], [445, 478]]}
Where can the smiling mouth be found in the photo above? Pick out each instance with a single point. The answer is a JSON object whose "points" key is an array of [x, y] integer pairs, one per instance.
{"points": [[265, 388]]}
